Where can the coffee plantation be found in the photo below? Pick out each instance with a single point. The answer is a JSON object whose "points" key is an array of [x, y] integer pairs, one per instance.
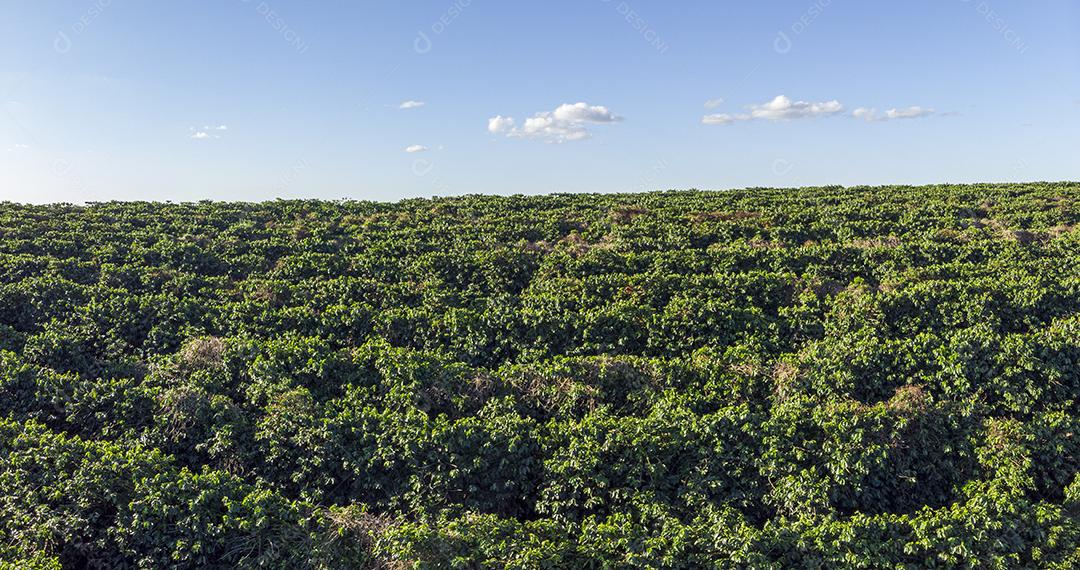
{"points": [[832, 377]]}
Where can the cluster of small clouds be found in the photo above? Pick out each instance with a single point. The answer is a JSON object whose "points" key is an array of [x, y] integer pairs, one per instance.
{"points": [[413, 104], [18, 146], [568, 122], [207, 132], [870, 114], [573, 121], [782, 108]]}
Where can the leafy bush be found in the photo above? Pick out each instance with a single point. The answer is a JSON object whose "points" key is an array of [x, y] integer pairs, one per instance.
{"points": [[766, 378]]}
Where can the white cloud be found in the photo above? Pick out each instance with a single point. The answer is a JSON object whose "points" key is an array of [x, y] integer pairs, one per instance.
{"points": [[783, 109], [866, 114], [720, 119], [780, 108], [908, 113], [871, 115], [713, 103], [416, 148], [207, 132], [410, 104], [568, 122], [500, 124], [581, 112]]}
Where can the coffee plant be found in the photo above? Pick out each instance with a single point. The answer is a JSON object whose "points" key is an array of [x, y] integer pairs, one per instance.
{"points": [[826, 377]]}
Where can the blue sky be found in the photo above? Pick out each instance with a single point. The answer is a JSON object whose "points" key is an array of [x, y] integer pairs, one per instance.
{"points": [[252, 100]]}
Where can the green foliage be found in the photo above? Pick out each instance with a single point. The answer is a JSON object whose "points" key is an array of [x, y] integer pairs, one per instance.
{"points": [[814, 378]]}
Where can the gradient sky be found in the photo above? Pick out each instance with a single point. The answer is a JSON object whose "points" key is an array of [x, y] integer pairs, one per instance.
{"points": [[253, 100]]}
